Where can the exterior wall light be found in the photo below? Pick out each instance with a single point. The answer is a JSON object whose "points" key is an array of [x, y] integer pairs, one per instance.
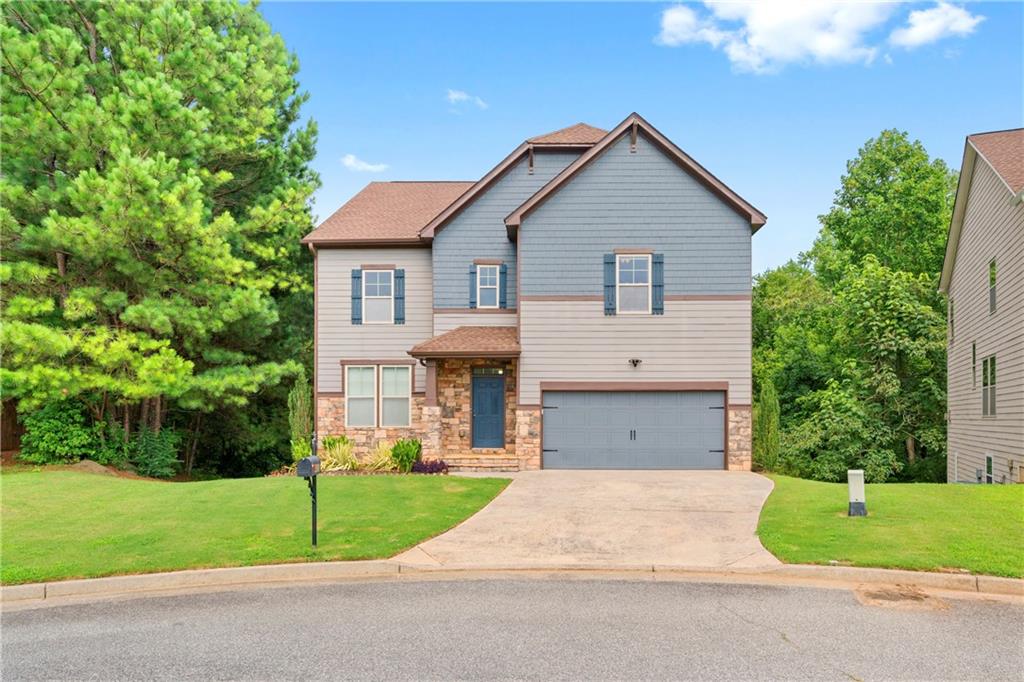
{"points": [[635, 362]]}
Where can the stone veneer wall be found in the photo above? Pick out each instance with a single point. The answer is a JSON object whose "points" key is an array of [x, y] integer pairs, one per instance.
{"points": [[330, 421], [528, 438], [455, 396], [740, 438]]}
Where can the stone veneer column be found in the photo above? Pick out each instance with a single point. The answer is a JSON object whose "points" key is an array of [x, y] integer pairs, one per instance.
{"points": [[740, 439], [528, 438], [431, 438]]}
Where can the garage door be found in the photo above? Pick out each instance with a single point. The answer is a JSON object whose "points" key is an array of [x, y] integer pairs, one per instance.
{"points": [[634, 430]]}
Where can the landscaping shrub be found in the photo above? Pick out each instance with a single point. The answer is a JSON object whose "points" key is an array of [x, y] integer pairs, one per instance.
{"points": [[155, 453], [300, 416], [113, 450], [766, 427], [58, 433], [430, 466], [931, 469], [380, 459], [405, 453], [336, 454]]}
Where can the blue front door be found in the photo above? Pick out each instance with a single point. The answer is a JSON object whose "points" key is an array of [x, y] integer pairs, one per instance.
{"points": [[489, 412]]}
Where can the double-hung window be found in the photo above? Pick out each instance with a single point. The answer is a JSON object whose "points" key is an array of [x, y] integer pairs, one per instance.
{"points": [[395, 393], [487, 286], [988, 386], [974, 365], [360, 395], [378, 296], [992, 286], [633, 283]]}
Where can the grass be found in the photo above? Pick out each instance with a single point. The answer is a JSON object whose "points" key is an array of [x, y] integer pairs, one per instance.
{"points": [[918, 526], [65, 524]]}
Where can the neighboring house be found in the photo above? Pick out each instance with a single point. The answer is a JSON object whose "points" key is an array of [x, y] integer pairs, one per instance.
{"points": [[983, 275], [585, 304]]}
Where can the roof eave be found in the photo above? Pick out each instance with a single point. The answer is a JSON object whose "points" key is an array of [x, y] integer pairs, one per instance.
{"points": [[956, 221], [493, 355], [343, 243]]}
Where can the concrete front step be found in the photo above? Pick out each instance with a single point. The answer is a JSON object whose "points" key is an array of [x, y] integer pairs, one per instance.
{"points": [[481, 463]]}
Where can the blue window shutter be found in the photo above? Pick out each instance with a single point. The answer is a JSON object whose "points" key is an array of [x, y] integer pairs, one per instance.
{"points": [[502, 286], [472, 286], [399, 296], [658, 284], [357, 297], [609, 284]]}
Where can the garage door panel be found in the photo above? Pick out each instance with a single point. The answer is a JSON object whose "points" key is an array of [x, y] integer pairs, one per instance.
{"points": [[634, 430]]}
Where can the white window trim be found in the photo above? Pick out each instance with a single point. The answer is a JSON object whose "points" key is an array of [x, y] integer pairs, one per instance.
{"points": [[618, 286], [496, 287], [407, 396], [348, 395], [392, 298], [988, 387]]}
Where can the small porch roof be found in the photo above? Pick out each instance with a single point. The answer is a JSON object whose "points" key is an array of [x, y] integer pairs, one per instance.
{"points": [[470, 342]]}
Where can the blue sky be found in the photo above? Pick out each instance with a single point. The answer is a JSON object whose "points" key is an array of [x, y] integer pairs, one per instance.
{"points": [[773, 100]]}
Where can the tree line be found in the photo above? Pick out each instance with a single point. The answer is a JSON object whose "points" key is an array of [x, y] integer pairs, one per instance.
{"points": [[850, 338]]}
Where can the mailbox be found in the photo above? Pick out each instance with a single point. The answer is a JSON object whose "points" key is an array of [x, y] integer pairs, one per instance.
{"points": [[308, 466]]}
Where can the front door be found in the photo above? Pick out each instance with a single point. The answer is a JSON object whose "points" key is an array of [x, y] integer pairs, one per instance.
{"points": [[488, 412]]}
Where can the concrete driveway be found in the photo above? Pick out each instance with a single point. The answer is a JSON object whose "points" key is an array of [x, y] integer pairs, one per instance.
{"points": [[692, 519]]}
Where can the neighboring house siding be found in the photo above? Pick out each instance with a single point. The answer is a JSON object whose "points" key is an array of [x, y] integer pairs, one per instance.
{"points": [[993, 227], [641, 200], [339, 339], [479, 230], [447, 321], [692, 341]]}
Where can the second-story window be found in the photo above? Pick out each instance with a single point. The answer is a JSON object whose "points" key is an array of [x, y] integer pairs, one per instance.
{"points": [[487, 286], [378, 297], [633, 283], [992, 286], [988, 386], [974, 365]]}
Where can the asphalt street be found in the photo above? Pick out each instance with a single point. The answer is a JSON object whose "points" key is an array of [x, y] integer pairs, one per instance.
{"points": [[536, 629]]}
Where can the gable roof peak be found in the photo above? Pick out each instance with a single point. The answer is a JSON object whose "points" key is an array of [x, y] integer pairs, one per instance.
{"points": [[576, 134]]}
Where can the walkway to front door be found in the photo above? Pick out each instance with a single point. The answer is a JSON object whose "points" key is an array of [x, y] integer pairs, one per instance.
{"points": [[488, 411], [611, 518]]}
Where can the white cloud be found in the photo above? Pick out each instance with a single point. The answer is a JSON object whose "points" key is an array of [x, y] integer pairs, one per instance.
{"points": [[930, 25], [763, 36], [353, 162], [456, 97]]}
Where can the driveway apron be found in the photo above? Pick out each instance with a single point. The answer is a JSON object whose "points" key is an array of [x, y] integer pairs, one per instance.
{"points": [[691, 519]]}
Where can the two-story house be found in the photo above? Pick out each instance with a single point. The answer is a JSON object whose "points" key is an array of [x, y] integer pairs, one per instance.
{"points": [[585, 304], [983, 276]]}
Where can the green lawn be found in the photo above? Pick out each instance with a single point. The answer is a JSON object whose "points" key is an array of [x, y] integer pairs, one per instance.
{"points": [[919, 526], [65, 524]]}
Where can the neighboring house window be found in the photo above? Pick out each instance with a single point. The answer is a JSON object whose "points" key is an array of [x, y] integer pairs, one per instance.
{"points": [[988, 468], [395, 395], [360, 395], [974, 365], [633, 283], [378, 297], [992, 286], [487, 286], [988, 386]]}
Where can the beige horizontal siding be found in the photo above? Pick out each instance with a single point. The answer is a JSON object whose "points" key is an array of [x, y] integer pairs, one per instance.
{"points": [[993, 228], [692, 341], [338, 339], [445, 321]]}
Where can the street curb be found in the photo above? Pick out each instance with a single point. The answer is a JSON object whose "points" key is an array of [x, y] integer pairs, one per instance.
{"points": [[200, 578], [837, 576]]}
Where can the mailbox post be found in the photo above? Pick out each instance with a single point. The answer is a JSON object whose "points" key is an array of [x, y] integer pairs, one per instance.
{"points": [[308, 468]]}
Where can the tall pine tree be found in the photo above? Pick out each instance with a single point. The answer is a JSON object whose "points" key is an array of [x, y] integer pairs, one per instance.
{"points": [[155, 187]]}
